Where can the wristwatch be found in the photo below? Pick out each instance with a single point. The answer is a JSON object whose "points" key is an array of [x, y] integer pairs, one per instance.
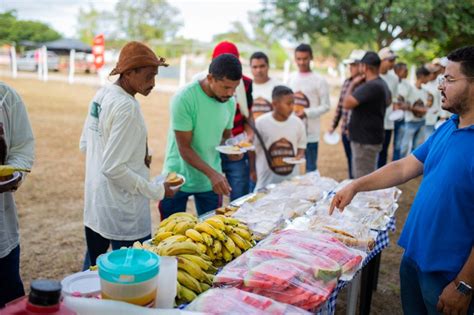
{"points": [[464, 288]]}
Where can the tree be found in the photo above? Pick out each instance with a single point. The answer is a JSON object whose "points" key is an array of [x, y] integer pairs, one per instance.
{"points": [[146, 20], [92, 22], [376, 23], [13, 30]]}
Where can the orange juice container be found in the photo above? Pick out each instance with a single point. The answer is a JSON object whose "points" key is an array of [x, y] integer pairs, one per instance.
{"points": [[129, 275]]}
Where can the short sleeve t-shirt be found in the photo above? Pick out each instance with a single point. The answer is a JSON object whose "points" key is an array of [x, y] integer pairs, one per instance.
{"points": [[419, 97], [193, 110], [282, 139], [366, 125], [439, 231], [262, 97], [392, 82]]}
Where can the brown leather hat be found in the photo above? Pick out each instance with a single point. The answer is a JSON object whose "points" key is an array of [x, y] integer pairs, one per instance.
{"points": [[136, 55]]}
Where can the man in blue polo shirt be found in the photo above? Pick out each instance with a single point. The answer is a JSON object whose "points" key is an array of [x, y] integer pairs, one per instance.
{"points": [[437, 269]]}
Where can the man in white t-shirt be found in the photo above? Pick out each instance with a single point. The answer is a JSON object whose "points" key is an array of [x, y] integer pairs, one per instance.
{"points": [[388, 58], [262, 84], [311, 100], [117, 188], [404, 92], [283, 136], [421, 101]]}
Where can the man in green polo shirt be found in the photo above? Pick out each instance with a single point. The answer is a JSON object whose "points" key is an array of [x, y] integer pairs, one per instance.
{"points": [[202, 116]]}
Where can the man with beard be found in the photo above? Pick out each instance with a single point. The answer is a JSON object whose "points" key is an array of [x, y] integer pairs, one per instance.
{"points": [[437, 268], [117, 189], [202, 117]]}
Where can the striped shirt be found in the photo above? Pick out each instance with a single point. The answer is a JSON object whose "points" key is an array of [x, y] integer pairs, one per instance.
{"points": [[342, 114], [239, 119]]}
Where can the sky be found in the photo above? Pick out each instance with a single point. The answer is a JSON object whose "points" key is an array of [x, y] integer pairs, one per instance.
{"points": [[202, 18]]}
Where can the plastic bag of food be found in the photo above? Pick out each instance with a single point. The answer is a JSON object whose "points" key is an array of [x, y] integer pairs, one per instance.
{"points": [[294, 267], [351, 233], [234, 301]]}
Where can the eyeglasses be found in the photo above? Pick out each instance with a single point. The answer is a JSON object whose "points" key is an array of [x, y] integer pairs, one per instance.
{"points": [[444, 80]]}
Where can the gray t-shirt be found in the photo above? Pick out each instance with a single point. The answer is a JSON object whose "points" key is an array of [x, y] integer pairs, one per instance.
{"points": [[20, 153]]}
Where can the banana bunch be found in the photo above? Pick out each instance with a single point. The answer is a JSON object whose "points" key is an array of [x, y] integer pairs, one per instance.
{"points": [[175, 224], [221, 238]]}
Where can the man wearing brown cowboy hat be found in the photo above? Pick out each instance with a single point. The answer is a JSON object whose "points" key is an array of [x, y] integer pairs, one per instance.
{"points": [[117, 188]]}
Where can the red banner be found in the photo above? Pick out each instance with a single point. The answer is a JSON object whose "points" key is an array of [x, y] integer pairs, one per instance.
{"points": [[98, 49]]}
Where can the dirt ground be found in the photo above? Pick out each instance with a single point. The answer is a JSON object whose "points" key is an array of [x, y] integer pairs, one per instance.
{"points": [[50, 201]]}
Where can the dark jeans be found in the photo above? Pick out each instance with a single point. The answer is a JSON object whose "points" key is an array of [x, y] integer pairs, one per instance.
{"points": [[237, 174], [420, 290], [11, 286], [347, 149], [98, 245], [397, 139], [382, 160], [205, 201], [311, 156]]}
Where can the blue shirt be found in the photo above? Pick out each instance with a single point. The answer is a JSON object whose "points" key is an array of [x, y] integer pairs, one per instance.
{"points": [[439, 231]]}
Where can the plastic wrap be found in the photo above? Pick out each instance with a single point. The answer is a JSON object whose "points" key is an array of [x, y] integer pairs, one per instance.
{"points": [[235, 301], [268, 214], [350, 233], [295, 267]]}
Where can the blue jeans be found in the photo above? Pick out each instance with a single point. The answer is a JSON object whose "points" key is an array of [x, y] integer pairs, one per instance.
{"points": [[205, 201], [382, 159], [420, 290], [11, 286], [98, 245], [237, 174], [311, 155], [347, 149], [397, 139], [412, 136]]}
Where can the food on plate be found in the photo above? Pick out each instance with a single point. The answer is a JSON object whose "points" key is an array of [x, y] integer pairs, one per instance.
{"points": [[244, 144], [227, 210], [173, 179]]}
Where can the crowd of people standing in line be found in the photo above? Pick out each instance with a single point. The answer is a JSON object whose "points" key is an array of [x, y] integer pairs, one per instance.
{"points": [[281, 120]]}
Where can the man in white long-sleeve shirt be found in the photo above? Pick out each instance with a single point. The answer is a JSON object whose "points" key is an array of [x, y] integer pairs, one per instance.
{"points": [[16, 149], [117, 186], [311, 101]]}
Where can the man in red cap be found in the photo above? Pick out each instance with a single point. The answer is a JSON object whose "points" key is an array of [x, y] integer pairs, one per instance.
{"points": [[238, 172], [117, 189]]}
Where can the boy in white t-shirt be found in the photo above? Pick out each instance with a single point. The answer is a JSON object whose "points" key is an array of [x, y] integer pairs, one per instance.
{"points": [[263, 85], [283, 135], [311, 100]]}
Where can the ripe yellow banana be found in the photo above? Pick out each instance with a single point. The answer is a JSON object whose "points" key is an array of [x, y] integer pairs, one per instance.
{"points": [[226, 255], [216, 223], [207, 228], [203, 264], [190, 267], [204, 286], [217, 247], [220, 235], [231, 221], [185, 279], [179, 249], [202, 247], [243, 226], [172, 239], [7, 170], [188, 216], [170, 225], [237, 252], [210, 254], [229, 244], [207, 238], [243, 233], [186, 294], [239, 241], [161, 236], [194, 235], [181, 227]]}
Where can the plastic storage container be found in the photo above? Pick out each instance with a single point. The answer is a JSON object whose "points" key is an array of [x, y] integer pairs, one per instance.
{"points": [[44, 298], [129, 275]]}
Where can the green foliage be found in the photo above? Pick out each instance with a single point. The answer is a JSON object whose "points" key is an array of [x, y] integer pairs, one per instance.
{"points": [[374, 21], [13, 30]]}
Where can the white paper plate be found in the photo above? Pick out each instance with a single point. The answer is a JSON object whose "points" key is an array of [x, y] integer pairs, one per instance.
{"points": [[332, 138], [178, 186], [292, 160], [396, 115], [81, 284], [226, 149]]}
